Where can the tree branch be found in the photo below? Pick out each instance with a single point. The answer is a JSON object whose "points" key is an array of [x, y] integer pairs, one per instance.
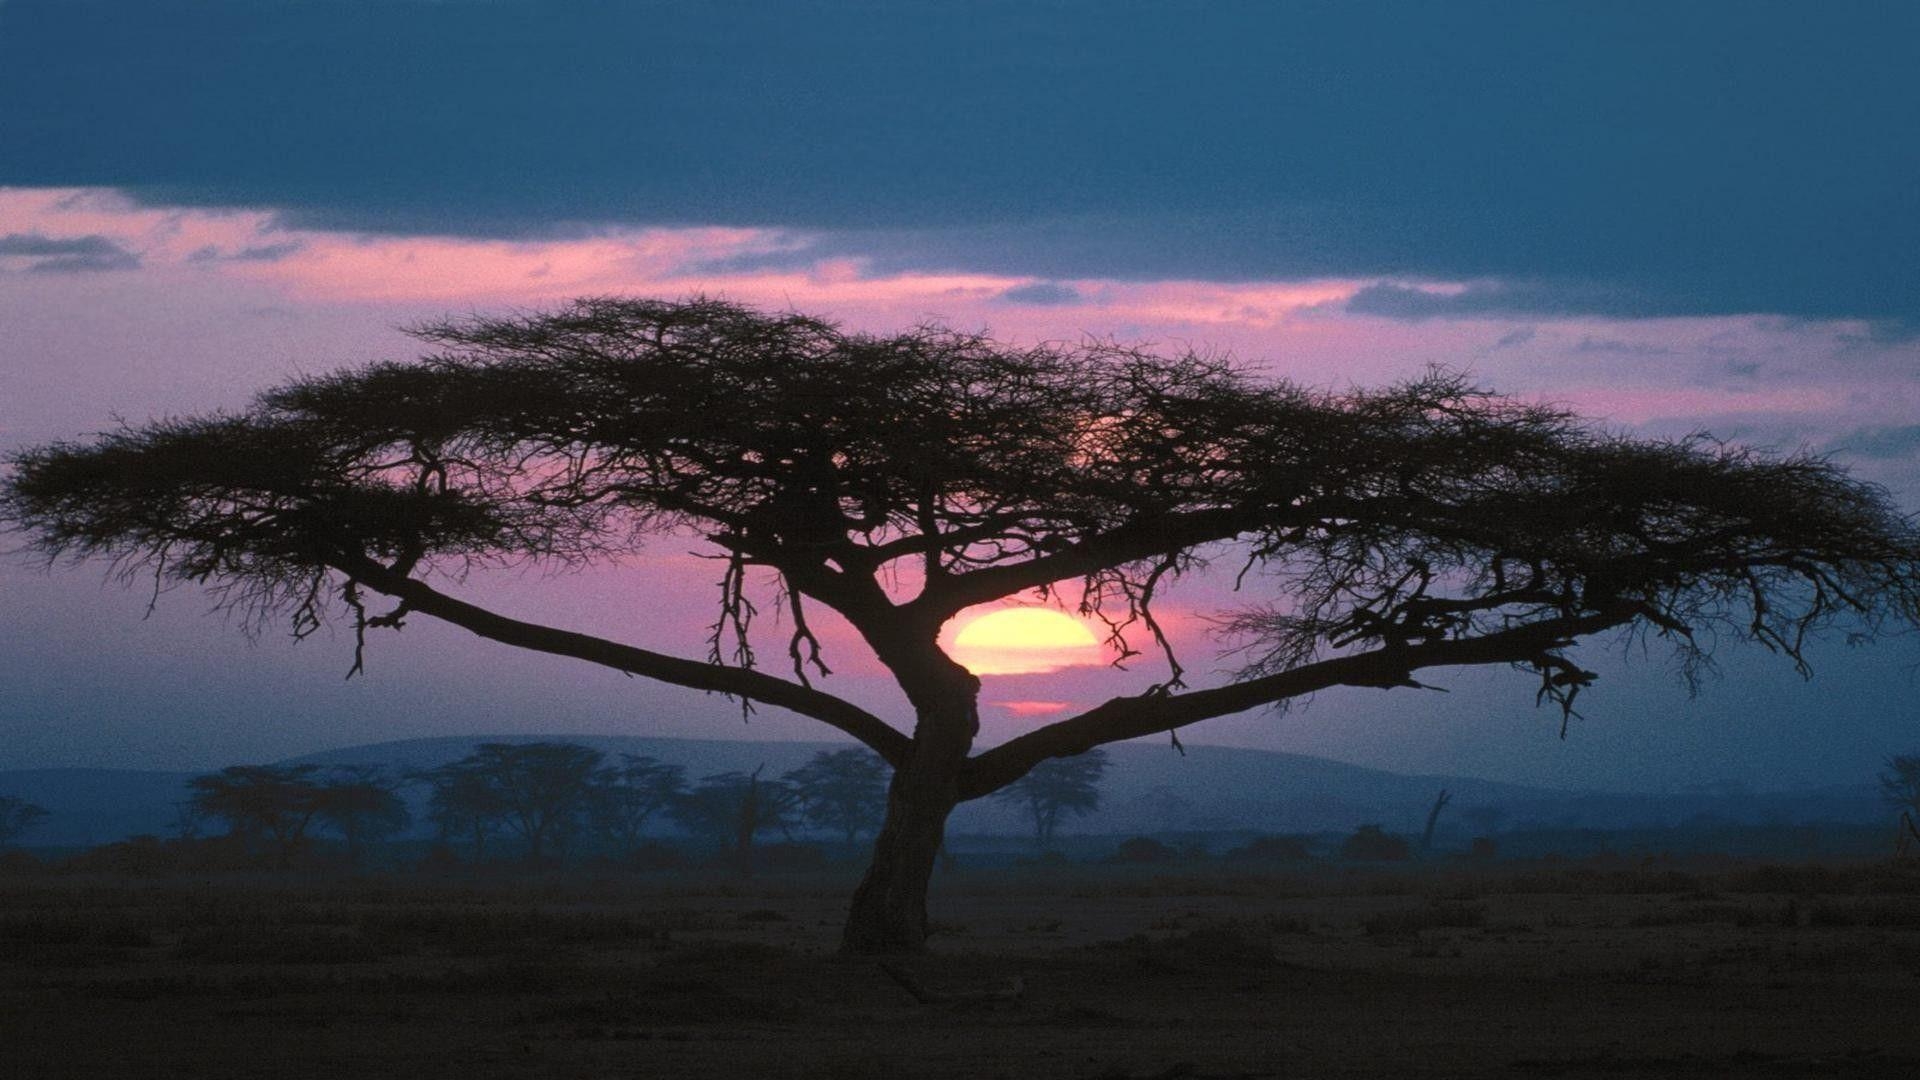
{"points": [[1150, 714], [876, 733], [1155, 537]]}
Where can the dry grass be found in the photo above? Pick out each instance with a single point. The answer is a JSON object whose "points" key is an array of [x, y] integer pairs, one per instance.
{"points": [[1547, 970]]}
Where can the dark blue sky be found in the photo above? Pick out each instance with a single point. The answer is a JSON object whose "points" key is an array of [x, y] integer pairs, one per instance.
{"points": [[1620, 158]]}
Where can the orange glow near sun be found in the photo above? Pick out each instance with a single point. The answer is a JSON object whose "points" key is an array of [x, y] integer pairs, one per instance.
{"points": [[1024, 641]]}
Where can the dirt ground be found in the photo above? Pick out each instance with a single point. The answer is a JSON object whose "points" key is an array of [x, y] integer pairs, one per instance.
{"points": [[1549, 971]]}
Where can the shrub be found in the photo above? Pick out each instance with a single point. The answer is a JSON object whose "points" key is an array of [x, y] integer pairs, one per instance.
{"points": [[1372, 843], [1271, 849], [1143, 850]]}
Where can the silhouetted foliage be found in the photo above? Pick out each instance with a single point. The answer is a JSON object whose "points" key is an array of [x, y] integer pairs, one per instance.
{"points": [[731, 809], [1271, 849], [1143, 851], [841, 790], [17, 815], [537, 791], [1424, 525], [358, 802], [271, 804], [621, 799], [462, 803], [1069, 786], [1373, 843], [1485, 820], [1900, 783]]}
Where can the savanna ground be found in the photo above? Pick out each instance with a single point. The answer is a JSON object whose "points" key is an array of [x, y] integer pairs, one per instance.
{"points": [[1514, 970]]}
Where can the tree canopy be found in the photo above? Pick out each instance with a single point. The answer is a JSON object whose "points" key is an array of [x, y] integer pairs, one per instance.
{"points": [[1069, 786], [899, 479], [17, 815], [844, 791]]}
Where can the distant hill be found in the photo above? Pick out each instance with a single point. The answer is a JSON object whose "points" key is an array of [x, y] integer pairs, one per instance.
{"points": [[1148, 788]]}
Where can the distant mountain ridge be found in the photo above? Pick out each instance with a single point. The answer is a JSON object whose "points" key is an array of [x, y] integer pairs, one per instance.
{"points": [[1148, 789]]}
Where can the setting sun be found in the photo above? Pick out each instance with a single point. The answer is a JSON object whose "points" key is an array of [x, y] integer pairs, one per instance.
{"points": [[1024, 641]]}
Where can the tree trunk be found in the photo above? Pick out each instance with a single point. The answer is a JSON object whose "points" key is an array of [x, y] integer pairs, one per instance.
{"points": [[889, 912]]}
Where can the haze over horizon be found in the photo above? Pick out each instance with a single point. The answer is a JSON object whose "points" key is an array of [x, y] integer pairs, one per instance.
{"points": [[1672, 219]]}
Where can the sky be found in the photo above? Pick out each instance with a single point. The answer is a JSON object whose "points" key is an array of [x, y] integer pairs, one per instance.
{"points": [[1672, 218]]}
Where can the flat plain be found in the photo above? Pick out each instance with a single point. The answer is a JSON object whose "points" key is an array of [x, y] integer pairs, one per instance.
{"points": [[1603, 969]]}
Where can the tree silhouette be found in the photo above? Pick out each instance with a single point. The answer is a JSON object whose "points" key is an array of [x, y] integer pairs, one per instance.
{"points": [[1374, 843], [358, 802], [1057, 786], [270, 803], [1485, 819], [1900, 783], [17, 815], [842, 790], [900, 480], [732, 808], [622, 798], [539, 790], [462, 802]]}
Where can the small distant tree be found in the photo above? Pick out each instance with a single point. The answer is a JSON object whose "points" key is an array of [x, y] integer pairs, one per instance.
{"points": [[17, 815], [1900, 783], [187, 820], [732, 808], [1373, 843], [1485, 820], [359, 803], [273, 804], [1143, 850], [540, 789], [1272, 849], [462, 803], [1057, 786], [842, 790], [621, 799]]}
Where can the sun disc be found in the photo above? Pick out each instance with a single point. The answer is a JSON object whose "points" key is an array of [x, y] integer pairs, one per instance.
{"points": [[1024, 641]]}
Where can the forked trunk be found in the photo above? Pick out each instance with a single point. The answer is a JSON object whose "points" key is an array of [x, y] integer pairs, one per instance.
{"points": [[889, 912]]}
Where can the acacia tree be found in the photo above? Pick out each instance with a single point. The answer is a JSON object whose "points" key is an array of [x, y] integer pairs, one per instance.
{"points": [[841, 790], [731, 808], [359, 803], [622, 798], [1900, 783], [1069, 785], [17, 815], [274, 802], [900, 480], [461, 802], [540, 789]]}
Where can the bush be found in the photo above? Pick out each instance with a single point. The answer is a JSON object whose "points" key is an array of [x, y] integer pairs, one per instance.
{"points": [[1271, 849], [1372, 843], [789, 858], [1143, 850], [656, 856]]}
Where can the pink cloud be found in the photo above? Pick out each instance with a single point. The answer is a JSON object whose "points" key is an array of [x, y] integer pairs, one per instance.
{"points": [[1820, 376]]}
